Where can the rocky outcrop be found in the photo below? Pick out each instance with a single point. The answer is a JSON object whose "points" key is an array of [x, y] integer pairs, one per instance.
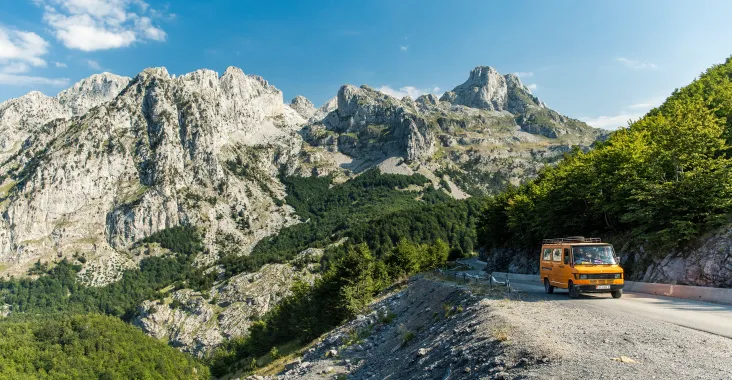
{"points": [[705, 262], [198, 322], [484, 89], [487, 89], [303, 106], [374, 126], [91, 92], [485, 135], [143, 162]]}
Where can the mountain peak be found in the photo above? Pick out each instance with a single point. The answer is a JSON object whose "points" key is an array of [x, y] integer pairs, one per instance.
{"points": [[482, 74], [485, 89], [92, 91], [303, 106]]}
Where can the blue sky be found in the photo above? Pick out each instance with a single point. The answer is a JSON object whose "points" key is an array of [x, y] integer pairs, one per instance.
{"points": [[602, 62]]}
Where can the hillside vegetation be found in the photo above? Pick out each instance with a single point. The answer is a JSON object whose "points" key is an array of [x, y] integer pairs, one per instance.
{"points": [[58, 289], [87, 347], [664, 180]]}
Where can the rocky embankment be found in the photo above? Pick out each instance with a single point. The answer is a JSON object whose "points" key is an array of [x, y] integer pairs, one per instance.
{"points": [[434, 328]]}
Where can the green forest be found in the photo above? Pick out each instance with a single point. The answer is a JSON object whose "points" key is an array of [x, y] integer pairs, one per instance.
{"points": [[664, 180], [87, 347], [373, 208]]}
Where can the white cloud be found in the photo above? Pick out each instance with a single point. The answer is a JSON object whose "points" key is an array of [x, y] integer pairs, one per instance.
{"points": [[60, 65], [524, 74], [403, 48], [94, 65], [410, 91], [611, 122], [532, 86], [25, 80], [19, 52], [90, 25], [19, 46], [636, 65]]}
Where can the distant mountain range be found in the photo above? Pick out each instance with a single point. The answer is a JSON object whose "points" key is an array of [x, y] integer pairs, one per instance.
{"points": [[110, 161]]}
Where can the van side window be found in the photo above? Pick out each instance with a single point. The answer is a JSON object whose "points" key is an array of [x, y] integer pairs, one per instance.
{"points": [[566, 255], [547, 254], [557, 255]]}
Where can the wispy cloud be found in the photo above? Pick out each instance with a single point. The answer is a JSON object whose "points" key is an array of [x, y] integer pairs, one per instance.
{"points": [[411, 91], [635, 64], [26, 80], [641, 106], [60, 65], [611, 122], [524, 74], [90, 25], [648, 104], [94, 65], [631, 112], [15, 68], [403, 48], [532, 86]]}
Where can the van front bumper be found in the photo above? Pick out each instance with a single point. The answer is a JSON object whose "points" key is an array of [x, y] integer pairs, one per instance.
{"points": [[594, 289]]}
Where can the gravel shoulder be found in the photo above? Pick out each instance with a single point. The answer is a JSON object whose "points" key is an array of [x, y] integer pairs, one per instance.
{"points": [[435, 328]]}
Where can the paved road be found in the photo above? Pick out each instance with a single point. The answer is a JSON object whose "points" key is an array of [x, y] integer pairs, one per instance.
{"points": [[704, 316]]}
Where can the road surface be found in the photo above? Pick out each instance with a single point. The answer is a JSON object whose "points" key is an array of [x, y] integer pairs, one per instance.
{"points": [[704, 316]]}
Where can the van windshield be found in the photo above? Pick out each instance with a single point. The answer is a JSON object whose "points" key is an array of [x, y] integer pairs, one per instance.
{"points": [[594, 254]]}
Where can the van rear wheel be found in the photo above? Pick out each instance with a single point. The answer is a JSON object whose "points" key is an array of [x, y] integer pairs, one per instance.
{"points": [[547, 287], [573, 291], [617, 293]]}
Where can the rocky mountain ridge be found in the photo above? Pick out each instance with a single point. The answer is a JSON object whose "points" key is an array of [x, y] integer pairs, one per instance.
{"points": [[110, 161]]}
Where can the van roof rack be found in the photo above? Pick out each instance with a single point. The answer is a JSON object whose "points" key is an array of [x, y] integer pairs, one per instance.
{"points": [[572, 239]]}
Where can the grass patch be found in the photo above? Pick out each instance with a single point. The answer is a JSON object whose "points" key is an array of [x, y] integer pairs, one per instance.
{"points": [[450, 310], [501, 334], [386, 318], [407, 337], [269, 365], [4, 189]]}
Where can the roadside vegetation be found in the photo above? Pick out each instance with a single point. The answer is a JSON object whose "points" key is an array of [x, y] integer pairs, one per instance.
{"points": [[664, 180]]}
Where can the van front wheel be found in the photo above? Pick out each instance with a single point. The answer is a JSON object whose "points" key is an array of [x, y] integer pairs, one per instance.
{"points": [[547, 287], [573, 291], [617, 293]]}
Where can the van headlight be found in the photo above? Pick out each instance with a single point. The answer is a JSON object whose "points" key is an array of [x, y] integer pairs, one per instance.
{"points": [[618, 275], [583, 277]]}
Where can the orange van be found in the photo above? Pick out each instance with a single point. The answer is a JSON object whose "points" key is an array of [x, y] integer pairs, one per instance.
{"points": [[581, 265]]}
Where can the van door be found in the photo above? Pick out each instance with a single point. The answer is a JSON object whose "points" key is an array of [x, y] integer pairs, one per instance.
{"points": [[556, 275], [545, 264], [563, 269]]}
